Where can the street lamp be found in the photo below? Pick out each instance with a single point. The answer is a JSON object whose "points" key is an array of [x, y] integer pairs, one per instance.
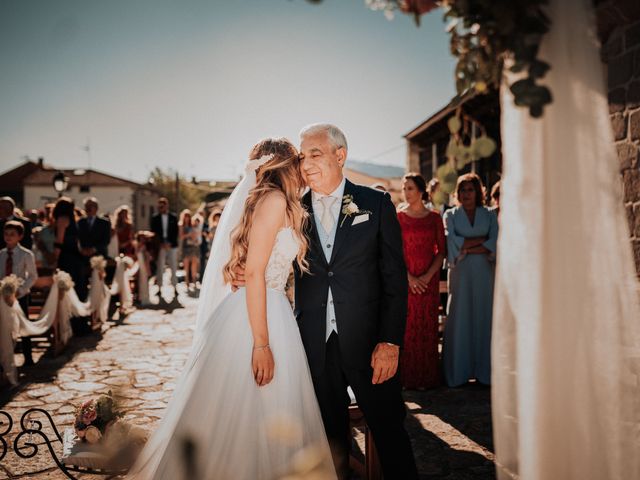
{"points": [[60, 183]]}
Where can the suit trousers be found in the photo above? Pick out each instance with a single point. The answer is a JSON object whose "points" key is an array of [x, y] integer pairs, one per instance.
{"points": [[167, 256], [383, 409]]}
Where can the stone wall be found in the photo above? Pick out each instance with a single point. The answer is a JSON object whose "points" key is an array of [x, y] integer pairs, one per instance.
{"points": [[619, 29]]}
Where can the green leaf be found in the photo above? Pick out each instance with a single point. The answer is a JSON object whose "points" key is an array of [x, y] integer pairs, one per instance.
{"points": [[518, 67], [538, 69], [534, 24], [521, 86], [536, 111], [454, 124], [440, 197], [448, 187]]}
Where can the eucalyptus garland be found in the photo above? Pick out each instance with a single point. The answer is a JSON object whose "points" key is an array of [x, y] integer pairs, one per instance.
{"points": [[486, 35]]}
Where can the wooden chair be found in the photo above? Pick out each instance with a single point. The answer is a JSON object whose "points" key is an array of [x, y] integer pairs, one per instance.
{"points": [[38, 297], [370, 469]]}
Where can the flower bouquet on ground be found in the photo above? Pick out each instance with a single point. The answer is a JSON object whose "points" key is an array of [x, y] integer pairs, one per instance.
{"points": [[101, 439], [93, 417]]}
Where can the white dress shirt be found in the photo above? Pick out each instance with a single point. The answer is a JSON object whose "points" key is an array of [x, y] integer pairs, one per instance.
{"points": [[165, 225], [24, 267], [327, 239]]}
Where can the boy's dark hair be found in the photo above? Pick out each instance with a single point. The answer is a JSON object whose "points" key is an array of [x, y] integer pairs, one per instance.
{"points": [[14, 225]]}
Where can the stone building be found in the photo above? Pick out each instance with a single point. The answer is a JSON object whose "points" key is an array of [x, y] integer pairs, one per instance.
{"points": [[618, 23], [619, 30], [31, 186], [427, 143]]}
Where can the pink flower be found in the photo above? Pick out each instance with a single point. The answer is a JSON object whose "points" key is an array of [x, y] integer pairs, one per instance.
{"points": [[89, 416]]}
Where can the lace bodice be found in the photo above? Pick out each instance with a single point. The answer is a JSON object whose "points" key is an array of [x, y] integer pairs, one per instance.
{"points": [[284, 251]]}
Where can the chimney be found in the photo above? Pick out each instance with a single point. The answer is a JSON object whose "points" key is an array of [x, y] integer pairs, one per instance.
{"points": [[41, 162]]}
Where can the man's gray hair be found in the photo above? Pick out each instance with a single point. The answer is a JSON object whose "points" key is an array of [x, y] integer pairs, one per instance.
{"points": [[336, 136], [8, 200]]}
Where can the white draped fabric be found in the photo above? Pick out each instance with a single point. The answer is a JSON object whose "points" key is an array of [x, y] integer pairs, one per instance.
{"points": [[8, 329], [15, 324], [99, 296], [120, 285], [566, 349], [143, 279], [64, 307]]}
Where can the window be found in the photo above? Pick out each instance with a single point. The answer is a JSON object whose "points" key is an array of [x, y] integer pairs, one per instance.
{"points": [[143, 211], [85, 188]]}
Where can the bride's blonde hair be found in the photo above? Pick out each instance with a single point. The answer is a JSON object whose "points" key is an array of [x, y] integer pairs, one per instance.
{"points": [[281, 174]]}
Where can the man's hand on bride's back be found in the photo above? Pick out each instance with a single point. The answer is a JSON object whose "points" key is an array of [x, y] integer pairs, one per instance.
{"points": [[239, 280]]}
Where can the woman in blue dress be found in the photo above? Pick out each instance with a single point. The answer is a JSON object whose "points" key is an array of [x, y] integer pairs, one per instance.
{"points": [[472, 233]]}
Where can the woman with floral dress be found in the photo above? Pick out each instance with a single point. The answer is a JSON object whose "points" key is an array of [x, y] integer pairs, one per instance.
{"points": [[424, 251]]}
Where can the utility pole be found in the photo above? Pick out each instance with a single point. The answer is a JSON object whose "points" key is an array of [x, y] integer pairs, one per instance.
{"points": [[177, 188], [87, 148]]}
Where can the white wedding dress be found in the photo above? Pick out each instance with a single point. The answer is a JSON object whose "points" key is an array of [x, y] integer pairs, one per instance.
{"points": [[239, 430]]}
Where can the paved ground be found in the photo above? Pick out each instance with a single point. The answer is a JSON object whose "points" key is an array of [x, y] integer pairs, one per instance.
{"points": [[141, 355]]}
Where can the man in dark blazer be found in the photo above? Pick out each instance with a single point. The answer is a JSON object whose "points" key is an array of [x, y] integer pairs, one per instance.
{"points": [[165, 226], [94, 232], [351, 308], [7, 213], [94, 235]]}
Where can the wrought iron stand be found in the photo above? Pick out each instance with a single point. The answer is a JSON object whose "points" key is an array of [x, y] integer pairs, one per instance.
{"points": [[24, 446]]}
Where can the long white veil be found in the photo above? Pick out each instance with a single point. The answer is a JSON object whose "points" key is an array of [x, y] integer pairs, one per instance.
{"points": [[214, 289]]}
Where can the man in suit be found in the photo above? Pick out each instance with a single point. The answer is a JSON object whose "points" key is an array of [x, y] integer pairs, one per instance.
{"points": [[352, 307], [7, 213], [94, 235], [165, 226], [94, 232]]}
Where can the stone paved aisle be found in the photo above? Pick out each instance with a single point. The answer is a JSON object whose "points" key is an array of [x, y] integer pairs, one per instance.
{"points": [[141, 356]]}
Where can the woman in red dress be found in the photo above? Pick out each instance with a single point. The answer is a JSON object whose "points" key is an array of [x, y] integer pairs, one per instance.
{"points": [[424, 251], [124, 230]]}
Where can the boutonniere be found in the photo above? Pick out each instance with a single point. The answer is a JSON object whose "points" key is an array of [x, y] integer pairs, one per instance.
{"points": [[350, 208]]}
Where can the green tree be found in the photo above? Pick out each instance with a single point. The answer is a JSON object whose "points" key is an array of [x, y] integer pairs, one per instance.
{"points": [[182, 193]]}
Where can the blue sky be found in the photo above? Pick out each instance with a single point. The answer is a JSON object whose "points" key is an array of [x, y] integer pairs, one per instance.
{"points": [[193, 84]]}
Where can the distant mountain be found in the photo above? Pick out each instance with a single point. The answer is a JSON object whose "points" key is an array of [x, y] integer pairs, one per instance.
{"points": [[375, 170]]}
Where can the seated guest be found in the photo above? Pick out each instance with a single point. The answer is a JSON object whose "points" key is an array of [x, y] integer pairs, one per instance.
{"points": [[7, 213], [19, 261]]}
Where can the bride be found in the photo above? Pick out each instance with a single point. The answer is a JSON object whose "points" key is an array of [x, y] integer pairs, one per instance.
{"points": [[245, 407]]}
